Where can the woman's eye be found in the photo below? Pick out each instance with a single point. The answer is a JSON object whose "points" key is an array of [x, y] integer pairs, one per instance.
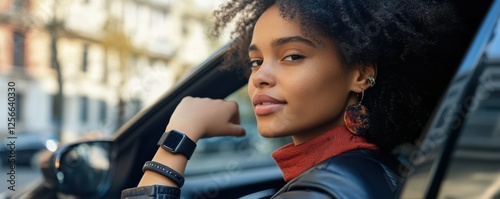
{"points": [[293, 57], [255, 63]]}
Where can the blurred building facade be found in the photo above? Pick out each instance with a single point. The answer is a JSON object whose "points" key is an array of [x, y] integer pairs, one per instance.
{"points": [[114, 57]]}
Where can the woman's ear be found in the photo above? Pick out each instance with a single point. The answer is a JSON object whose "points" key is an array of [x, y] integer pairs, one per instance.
{"points": [[365, 76]]}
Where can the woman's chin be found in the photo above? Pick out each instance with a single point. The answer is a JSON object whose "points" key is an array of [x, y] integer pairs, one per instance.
{"points": [[267, 133]]}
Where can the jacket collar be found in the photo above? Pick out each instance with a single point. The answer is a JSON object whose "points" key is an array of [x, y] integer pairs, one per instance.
{"points": [[294, 159]]}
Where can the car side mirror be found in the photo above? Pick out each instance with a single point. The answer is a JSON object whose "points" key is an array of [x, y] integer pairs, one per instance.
{"points": [[82, 169]]}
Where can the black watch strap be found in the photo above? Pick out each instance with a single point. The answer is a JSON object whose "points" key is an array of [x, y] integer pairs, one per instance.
{"points": [[164, 170], [175, 141]]}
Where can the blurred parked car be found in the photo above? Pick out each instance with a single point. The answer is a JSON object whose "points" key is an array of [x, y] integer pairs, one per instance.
{"points": [[26, 145], [457, 157]]}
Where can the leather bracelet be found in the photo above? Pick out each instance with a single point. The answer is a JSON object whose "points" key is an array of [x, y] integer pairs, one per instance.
{"points": [[164, 171]]}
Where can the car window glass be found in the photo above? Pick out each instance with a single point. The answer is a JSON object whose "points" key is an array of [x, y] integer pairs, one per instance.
{"points": [[250, 151], [474, 170]]}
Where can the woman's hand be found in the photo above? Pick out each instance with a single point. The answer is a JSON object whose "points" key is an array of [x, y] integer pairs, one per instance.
{"points": [[197, 118], [204, 117]]}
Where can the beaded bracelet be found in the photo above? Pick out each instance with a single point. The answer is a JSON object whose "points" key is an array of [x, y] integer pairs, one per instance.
{"points": [[165, 171]]}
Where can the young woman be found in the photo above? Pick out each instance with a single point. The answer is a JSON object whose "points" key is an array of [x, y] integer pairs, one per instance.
{"points": [[343, 78]]}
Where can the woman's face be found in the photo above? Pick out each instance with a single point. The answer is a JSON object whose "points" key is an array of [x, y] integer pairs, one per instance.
{"points": [[297, 85]]}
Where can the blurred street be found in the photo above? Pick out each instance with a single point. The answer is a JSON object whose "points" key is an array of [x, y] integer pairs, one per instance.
{"points": [[24, 176]]}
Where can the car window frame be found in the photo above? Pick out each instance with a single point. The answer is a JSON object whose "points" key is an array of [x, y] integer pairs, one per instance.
{"points": [[441, 137]]}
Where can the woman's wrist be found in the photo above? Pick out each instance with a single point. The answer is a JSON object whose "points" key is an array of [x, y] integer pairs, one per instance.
{"points": [[176, 162], [192, 132]]}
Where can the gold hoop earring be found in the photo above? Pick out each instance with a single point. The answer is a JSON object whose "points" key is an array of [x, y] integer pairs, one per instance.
{"points": [[357, 117]]}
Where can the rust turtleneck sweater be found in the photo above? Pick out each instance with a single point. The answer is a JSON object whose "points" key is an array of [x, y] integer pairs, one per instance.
{"points": [[295, 159]]}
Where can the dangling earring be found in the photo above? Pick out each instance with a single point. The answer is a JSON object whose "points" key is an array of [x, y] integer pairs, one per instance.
{"points": [[357, 117]]}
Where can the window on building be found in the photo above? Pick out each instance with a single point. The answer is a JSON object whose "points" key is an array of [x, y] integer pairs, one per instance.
{"points": [[137, 106], [133, 61], [133, 107], [102, 111], [105, 66], [84, 109], [18, 49], [185, 29], [17, 5], [56, 108], [85, 57]]}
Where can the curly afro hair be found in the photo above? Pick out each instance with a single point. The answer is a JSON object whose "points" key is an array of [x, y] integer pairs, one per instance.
{"points": [[402, 38]]}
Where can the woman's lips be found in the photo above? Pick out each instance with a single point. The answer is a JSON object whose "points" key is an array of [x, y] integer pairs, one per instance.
{"points": [[265, 104]]}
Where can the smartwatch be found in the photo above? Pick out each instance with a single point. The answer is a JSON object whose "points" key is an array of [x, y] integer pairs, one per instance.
{"points": [[177, 142]]}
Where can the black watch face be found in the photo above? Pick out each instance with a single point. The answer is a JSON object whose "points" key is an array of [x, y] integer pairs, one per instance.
{"points": [[173, 140]]}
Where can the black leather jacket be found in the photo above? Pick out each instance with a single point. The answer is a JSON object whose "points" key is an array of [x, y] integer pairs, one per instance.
{"points": [[354, 174]]}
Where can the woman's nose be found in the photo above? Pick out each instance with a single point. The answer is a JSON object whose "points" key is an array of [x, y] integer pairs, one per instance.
{"points": [[264, 75]]}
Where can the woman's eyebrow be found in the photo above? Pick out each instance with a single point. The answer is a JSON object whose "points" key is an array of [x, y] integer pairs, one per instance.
{"points": [[285, 40], [295, 39], [252, 47]]}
